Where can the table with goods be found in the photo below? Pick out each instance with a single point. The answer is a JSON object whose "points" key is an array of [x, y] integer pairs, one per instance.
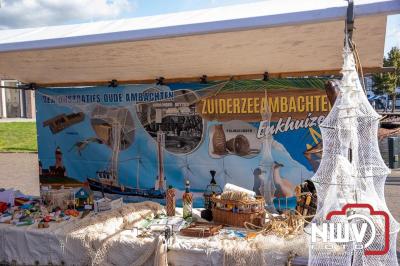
{"points": [[68, 226]]}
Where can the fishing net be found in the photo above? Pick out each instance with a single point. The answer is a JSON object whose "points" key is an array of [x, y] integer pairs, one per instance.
{"points": [[352, 171], [267, 160], [108, 239]]}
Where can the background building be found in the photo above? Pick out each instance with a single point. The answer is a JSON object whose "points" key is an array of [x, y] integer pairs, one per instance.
{"points": [[16, 103]]}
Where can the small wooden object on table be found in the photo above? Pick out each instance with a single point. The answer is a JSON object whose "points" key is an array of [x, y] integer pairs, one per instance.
{"points": [[199, 229], [238, 212], [306, 202]]}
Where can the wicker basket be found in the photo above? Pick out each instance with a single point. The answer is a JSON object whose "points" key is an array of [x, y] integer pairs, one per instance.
{"points": [[251, 211]]}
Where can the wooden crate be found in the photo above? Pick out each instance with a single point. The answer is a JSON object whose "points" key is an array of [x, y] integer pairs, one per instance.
{"points": [[199, 229]]}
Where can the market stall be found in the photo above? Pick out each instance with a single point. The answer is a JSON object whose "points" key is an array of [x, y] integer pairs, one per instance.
{"points": [[183, 137]]}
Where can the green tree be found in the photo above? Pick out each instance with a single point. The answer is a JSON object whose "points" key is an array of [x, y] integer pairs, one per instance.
{"points": [[386, 83]]}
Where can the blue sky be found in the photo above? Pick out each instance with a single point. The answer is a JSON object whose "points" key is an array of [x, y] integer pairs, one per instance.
{"points": [[392, 32], [153, 7], [33, 13]]}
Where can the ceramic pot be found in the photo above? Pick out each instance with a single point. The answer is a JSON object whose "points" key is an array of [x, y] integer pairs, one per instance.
{"points": [[239, 145]]}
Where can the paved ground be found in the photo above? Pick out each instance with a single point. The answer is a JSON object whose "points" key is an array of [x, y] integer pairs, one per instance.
{"points": [[392, 196], [20, 171]]}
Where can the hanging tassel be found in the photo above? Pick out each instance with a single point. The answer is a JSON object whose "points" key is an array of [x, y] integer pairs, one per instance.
{"points": [[160, 256]]}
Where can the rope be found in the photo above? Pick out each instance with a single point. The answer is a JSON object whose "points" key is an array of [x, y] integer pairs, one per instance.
{"points": [[358, 64], [288, 227]]}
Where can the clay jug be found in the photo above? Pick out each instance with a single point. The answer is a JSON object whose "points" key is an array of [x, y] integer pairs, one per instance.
{"points": [[219, 140]]}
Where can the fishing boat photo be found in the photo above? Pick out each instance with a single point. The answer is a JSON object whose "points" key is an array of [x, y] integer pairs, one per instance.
{"points": [[115, 126]]}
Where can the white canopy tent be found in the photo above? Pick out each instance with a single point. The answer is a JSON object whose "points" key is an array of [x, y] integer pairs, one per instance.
{"points": [[278, 36]]}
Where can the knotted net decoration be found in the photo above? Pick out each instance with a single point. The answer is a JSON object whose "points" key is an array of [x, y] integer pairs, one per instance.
{"points": [[352, 171]]}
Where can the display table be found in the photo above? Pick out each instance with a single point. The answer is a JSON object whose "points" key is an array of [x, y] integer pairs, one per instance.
{"points": [[108, 239], [101, 239], [214, 251]]}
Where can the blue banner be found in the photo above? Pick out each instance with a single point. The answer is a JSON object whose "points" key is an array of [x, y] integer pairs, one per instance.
{"points": [[136, 140]]}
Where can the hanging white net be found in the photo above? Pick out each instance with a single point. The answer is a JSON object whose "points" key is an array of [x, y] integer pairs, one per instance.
{"points": [[352, 171]]}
